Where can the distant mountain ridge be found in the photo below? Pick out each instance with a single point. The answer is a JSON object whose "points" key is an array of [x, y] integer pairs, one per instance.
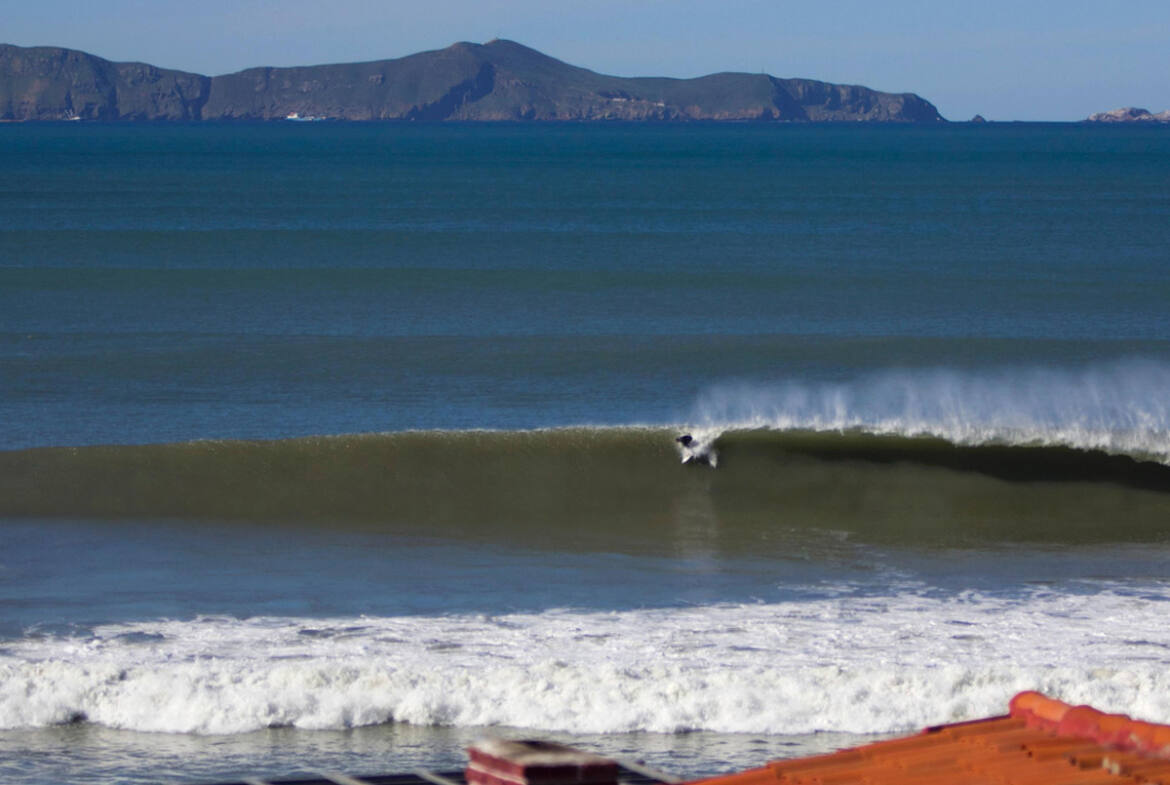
{"points": [[497, 81]]}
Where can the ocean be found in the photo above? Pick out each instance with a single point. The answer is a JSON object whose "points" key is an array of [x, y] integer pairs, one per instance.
{"points": [[339, 446]]}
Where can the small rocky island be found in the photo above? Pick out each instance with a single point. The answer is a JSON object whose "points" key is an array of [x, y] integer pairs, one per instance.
{"points": [[1129, 114], [496, 81]]}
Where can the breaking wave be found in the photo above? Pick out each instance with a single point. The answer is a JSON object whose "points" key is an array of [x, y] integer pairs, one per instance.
{"points": [[853, 664], [912, 457], [1119, 408], [612, 484]]}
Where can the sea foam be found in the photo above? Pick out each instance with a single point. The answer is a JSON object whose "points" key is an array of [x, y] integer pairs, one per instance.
{"points": [[851, 663]]}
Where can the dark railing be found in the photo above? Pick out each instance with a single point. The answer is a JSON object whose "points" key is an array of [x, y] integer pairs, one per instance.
{"points": [[629, 773]]}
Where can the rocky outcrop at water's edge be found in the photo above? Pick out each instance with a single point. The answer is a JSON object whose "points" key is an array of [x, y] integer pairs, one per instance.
{"points": [[1129, 114]]}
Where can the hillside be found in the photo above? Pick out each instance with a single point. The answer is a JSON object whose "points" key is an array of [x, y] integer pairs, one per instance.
{"points": [[496, 81]]}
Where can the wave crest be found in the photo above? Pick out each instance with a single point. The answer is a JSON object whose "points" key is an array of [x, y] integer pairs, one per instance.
{"points": [[1121, 408]]}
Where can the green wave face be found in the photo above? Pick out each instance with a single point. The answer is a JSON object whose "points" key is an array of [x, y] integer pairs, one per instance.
{"points": [[620, 489]]}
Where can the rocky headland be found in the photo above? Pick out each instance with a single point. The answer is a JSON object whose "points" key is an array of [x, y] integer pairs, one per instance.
{"points": [[496, 81], [1129, 114]]}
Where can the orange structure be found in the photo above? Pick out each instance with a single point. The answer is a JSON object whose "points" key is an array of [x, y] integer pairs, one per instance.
{"points": [[1040, 741]]}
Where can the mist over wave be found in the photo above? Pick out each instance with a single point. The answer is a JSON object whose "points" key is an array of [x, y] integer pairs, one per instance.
{"points": [[855, 664], [1119, 407]]}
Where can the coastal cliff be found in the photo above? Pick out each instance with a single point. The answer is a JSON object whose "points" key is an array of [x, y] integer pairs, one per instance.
{"points": [[496, 81], [1129, 114], [50, 83]]}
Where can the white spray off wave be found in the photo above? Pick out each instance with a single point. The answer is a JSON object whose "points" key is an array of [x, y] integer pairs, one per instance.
{"points": [[1121, 407], [855, 664]]}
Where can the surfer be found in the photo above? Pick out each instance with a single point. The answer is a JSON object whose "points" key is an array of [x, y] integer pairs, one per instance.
{"points": [[694, 451]]}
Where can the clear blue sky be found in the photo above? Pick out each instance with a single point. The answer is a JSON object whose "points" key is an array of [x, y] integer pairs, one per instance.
{"points": [[1005, 59]]}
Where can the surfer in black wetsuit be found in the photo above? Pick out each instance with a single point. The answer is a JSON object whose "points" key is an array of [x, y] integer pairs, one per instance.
{"points": [[690, 446]]}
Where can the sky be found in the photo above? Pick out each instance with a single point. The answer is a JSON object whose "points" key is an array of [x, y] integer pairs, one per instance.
{"points": [[1004, 59]]}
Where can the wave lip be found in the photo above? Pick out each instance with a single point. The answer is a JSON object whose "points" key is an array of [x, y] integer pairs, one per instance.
{"points": [[1119, 408]]}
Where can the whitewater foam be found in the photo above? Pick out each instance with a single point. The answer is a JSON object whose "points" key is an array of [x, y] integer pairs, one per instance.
{"points": [[1119, 407], [853, 663]]}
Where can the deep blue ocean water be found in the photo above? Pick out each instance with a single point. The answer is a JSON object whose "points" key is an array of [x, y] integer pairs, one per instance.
{"points": [[168, 283], [1000, 287]]}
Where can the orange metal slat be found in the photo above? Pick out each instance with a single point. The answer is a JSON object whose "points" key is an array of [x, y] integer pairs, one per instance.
{"points": [[1097, 778], [831, 778], [1076, 751], [1089, 760], [824, 770], [996, 760], [1116, 760], [1010, 740], [1023, 748], [845, 771], [981, 728], [949, 778], [895, 746], [948, 727], [762, 776], [1147, 769], [1071, 753], [1073, 777], [815, 761], [1056, 771], [1023, 769], [938, 758], [1061, 741]]}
